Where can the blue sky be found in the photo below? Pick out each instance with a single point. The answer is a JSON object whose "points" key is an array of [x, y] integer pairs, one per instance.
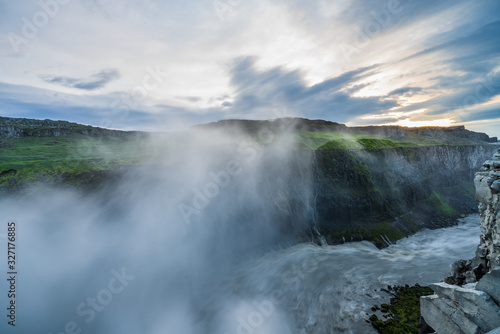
{"points": [[165, 65]]}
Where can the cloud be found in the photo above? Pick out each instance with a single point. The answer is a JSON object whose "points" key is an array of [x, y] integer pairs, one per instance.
{"points": [[190, 98], [406, 91], [329, 99], [491, 113], [93, 82], [475, 52]]}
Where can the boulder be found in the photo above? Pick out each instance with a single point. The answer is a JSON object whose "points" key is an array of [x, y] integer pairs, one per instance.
{"points": [[490, 283], [437, 314], [468, 308]]}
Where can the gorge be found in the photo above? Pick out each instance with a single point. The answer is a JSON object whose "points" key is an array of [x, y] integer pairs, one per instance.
{"points": [[271, 207]]}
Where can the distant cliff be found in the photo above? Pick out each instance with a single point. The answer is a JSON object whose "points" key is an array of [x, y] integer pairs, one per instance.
{"points": [[399, 190], [24, 127], [428, 131], [453, 134]]}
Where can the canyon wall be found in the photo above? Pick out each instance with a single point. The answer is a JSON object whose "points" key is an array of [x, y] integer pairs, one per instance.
{"points": [[394, 191]]}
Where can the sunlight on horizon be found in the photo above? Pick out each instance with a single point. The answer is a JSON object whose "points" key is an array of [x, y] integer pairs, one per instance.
{"points": [[445, 122]]}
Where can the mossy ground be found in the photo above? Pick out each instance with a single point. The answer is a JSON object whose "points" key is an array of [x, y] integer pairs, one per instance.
{"points": [[52, 160], [402, 315], [358, 139]]}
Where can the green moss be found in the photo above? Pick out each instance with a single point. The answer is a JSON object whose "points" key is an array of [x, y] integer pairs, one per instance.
{"points": [[360, 138], [375, 233], [403, 313], [443, 206], [340, 144], [376, 144]]}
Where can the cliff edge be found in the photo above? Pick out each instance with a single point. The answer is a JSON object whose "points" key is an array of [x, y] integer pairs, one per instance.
{"points": [[469, 300]]}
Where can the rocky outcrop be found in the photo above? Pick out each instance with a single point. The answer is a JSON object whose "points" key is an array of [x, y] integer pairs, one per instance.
{"points": [[487, 183], [475, 306], [488, 188], [10, 131], [455, 309]]}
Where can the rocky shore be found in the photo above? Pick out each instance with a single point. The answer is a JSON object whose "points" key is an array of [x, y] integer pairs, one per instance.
{"points": [[468, 302]]}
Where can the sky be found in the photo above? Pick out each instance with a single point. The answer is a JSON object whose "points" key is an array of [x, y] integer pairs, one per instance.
{"points": [[165, 65]]}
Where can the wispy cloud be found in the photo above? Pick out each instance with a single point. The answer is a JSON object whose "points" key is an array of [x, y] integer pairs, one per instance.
{"points": [[93, 82], [406, 91]]}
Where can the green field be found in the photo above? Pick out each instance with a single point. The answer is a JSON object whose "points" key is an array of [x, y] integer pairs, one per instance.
{"points": [[362, 140], [50, 159]]}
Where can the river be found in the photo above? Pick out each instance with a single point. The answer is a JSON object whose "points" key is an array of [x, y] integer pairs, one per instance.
{"points": [[330, 289]]}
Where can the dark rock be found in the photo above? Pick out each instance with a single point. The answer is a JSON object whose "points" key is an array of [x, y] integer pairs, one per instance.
{"points": [[8, 172], [425, 328], [496, 186]]}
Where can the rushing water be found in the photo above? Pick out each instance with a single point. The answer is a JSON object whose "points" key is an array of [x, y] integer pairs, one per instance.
{"points": [[71, 250], [331, 289]]}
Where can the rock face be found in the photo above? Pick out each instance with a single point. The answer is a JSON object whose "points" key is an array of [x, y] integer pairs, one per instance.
{"points": [[413, 187], [487, 183], [475, 307]]}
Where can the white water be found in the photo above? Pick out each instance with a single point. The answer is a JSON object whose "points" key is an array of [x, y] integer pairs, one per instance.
{"points": [[331, 289], [205, 281]]}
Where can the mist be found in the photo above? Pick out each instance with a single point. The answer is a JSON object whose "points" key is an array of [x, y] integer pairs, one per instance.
{"points": [[155, 253]]}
